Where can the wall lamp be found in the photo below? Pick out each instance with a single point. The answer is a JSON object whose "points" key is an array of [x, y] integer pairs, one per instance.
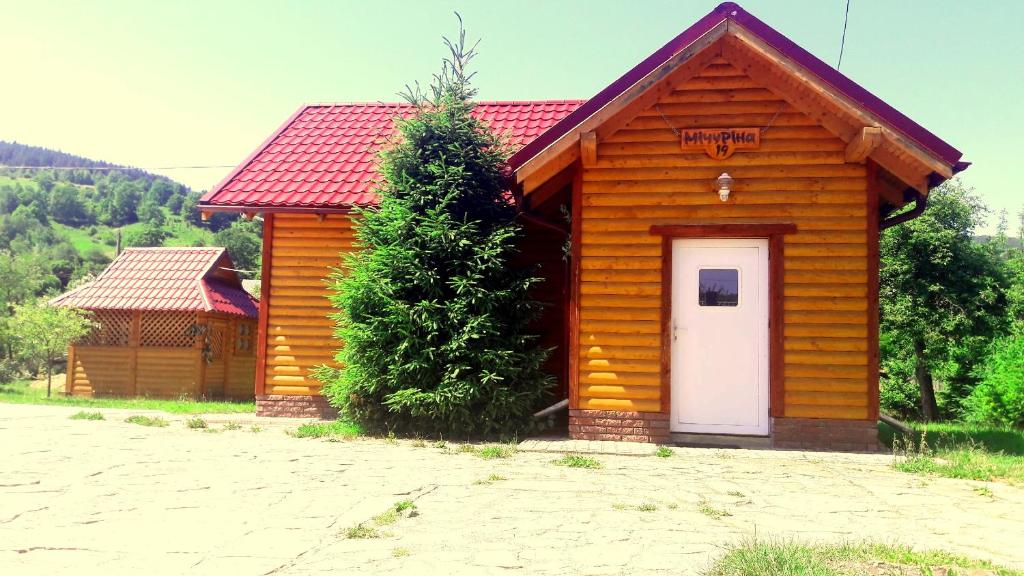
{"points": [[724, 186]]}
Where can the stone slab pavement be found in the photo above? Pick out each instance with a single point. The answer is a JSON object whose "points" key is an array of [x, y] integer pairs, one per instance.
{"points": [[108, 497]]}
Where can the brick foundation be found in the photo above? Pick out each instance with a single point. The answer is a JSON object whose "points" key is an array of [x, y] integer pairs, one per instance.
{"points": [[613, 425], [825, 434], [290, 406]]}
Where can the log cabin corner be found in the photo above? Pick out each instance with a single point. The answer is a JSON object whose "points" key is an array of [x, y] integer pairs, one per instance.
{"points": [[726, 199]]}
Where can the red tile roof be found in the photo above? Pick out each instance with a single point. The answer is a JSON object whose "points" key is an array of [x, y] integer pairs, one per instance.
{"points": [[168, 279], [325, 155]]}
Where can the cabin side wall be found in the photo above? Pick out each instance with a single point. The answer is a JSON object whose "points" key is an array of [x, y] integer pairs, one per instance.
{"points": [[298, 335], [642, 178]]}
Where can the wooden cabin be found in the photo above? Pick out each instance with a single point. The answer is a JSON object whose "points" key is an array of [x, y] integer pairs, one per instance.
{"points": [[726, 199], [170, 322]]}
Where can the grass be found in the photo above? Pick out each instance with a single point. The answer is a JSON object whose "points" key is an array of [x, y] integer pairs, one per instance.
{"points": [[663, 452], [958, 450], [141, 420], [400, 552], [83, 415], [577, 461], [22, 393], [232, 426], [255, 429], [493, 451], [196, 423], [647, 507], [336, 429], [784, 558], [705, 508]]}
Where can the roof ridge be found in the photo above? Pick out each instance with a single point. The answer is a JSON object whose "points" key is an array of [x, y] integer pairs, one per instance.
{"points": [[382, 103]]}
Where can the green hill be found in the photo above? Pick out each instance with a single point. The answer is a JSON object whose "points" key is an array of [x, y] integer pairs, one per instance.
{"points": [[65, 216]]}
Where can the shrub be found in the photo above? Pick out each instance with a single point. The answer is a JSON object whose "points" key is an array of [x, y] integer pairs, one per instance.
{"points": [[900, 398], [999, 398], [434, 315]]}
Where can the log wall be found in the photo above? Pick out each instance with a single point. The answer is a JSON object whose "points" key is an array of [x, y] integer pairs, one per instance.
{"points": [[642, 178], [299, 335]]}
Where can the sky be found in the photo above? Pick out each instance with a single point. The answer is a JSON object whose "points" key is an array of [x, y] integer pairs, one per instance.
{"points": [[165, 85]]}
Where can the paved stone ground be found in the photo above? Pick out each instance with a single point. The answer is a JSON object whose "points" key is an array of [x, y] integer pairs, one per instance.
{"points": [[82, 497]]}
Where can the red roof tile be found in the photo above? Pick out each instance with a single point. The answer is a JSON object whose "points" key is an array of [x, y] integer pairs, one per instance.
{"points": [[326, 155], [169, 279]]}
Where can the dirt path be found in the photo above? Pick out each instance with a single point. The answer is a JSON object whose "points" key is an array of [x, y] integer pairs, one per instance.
{"points": [[116, 498]]}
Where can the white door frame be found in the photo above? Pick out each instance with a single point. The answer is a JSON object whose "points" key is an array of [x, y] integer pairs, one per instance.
{"points": [[755, 307]]}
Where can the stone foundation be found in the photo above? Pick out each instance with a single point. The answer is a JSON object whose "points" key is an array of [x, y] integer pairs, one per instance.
{"points": [[290, 406], [614, 425], [825, 434]]}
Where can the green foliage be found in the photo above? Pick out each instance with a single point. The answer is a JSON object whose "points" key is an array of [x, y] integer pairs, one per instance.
{"points": [[243, 241], [998, 399], [664, 452], [147, 235], [42, 333], [956, 450], [942, 293], [433, 314]]}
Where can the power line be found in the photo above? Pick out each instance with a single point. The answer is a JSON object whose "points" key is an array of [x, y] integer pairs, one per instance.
{"points": [[842, 43], [2, 166]]}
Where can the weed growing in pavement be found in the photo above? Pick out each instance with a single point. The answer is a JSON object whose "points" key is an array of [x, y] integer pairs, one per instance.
{"points": [[87, 416], [147, 421], [705, 508], [577, 461], [663, 452], [363, 532], [232, 426], [400, 552], [196, 423], [497, 451]]}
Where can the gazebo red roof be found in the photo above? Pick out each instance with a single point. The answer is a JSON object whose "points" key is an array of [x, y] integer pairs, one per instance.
{"points": [[166, 279], [325, 155]]}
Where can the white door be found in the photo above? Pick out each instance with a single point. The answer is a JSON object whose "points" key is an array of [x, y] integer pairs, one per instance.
{"points": [[719, 334]]}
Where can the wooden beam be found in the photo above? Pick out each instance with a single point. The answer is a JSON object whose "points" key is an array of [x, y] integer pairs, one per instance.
{"points": [[588, 148], [756, 46], [834, 118], [863, 144], [556, 151], [204, 215]]}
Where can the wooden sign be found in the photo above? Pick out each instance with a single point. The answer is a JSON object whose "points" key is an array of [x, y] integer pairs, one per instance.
{"points": [[720, 143]]}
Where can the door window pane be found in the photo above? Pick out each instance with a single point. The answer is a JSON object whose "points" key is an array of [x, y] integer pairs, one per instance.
{"points": [[719, 287]]}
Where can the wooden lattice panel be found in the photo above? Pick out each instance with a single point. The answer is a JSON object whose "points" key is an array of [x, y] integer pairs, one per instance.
{"points": [[171, 330], [216, 343], [113, 328], [244, 339]]}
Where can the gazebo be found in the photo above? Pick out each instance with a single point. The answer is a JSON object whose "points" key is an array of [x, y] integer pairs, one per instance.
{"points": [[171, 322]]}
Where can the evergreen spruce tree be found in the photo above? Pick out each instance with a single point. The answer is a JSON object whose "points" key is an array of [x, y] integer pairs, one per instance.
{"points": [[433, 315]]}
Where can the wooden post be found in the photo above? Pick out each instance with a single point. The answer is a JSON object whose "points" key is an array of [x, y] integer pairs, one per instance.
{"points": [[261, 331], [200, 373], [69, 372], [134, 338], [230, 334]]}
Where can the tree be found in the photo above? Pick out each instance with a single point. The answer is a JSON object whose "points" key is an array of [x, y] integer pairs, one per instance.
{"points": [[942, 294], [243, 243], [148, 234], [433, 314], [44, 332]]}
